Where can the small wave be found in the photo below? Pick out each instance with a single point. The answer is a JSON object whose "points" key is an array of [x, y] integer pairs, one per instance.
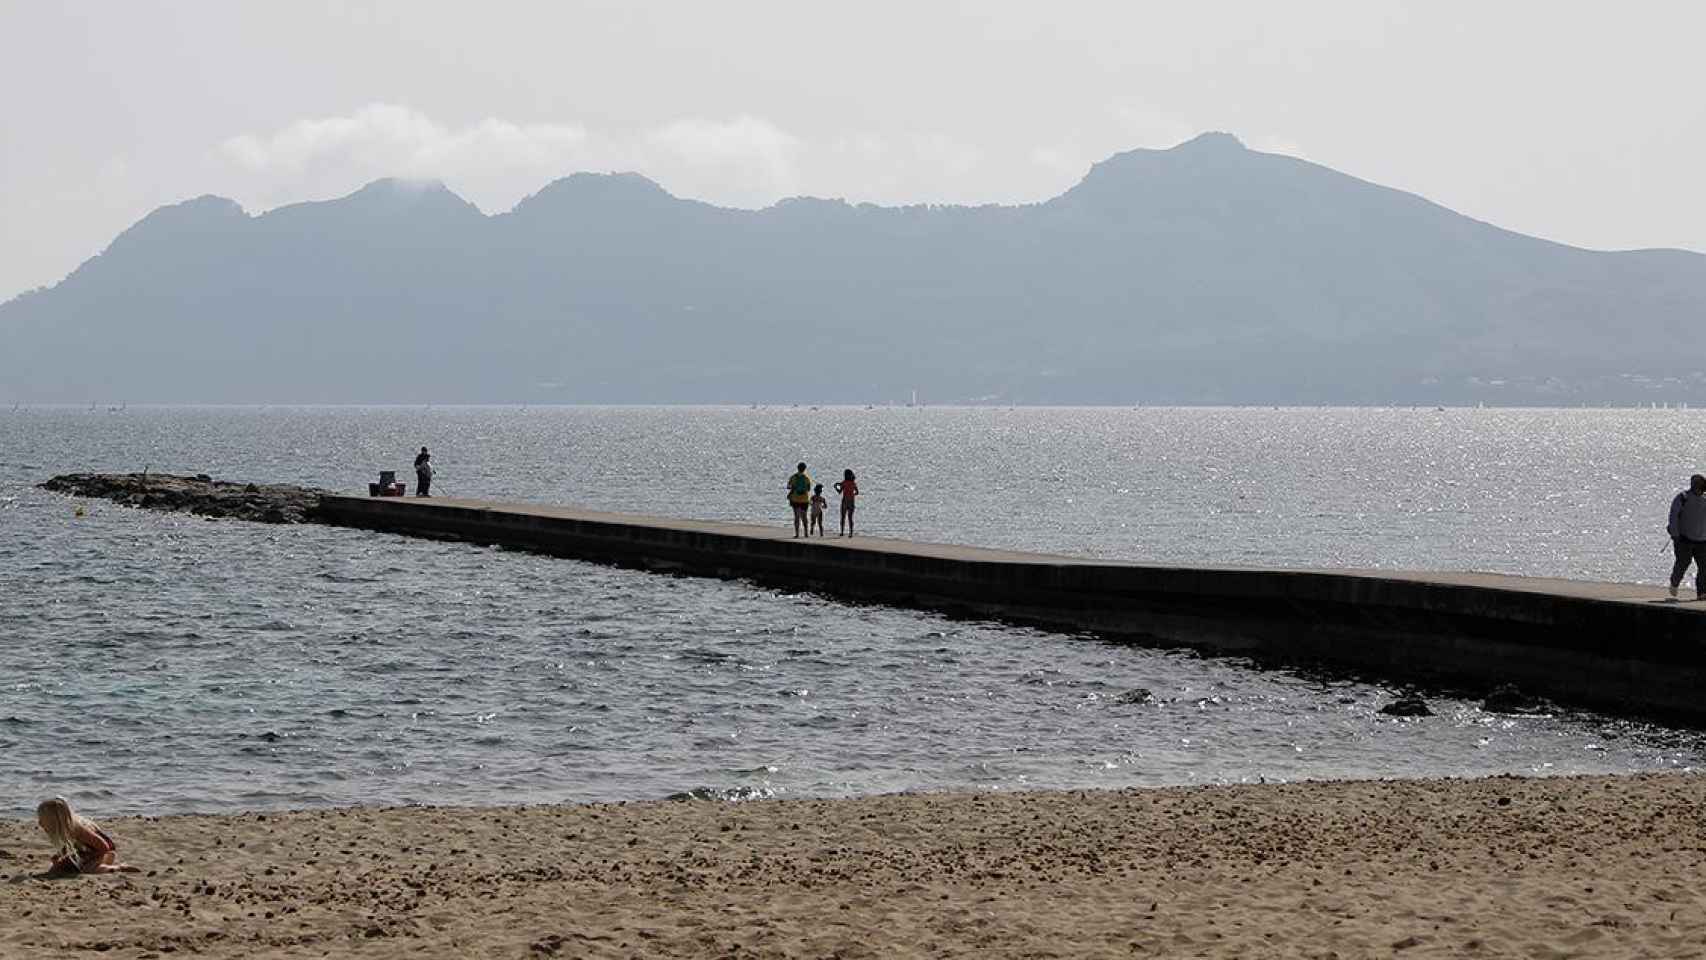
{"points": [[1054, 678], [15, 721], [700, 655], [341, 578], [819, 720], [347, 713], [723, 795], [255, 751]]}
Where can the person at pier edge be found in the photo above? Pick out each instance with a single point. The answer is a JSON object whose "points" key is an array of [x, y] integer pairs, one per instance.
{"points": [[423, 473], [1687, 530], [818, 503], [848, 487], [800, 497]]}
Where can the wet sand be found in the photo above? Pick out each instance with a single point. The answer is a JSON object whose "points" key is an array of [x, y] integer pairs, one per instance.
{"points": [[1554, 867]]}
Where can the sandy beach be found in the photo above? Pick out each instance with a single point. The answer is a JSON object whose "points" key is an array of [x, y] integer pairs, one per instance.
{"points": [[1542, 867]]}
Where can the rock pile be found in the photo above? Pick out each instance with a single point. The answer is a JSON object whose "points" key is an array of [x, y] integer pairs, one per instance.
{"points": [[200, 495], [1407, 706], [1506, 698]]}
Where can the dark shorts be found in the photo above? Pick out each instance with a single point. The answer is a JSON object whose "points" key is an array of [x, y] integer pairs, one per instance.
{"points": [[846, 506]]}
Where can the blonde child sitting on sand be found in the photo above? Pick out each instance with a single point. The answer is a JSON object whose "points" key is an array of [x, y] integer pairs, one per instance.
{"points": [[79, 845]]}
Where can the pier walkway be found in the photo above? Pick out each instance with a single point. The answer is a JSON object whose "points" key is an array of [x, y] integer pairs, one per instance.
{"points": [[1620, 647]]}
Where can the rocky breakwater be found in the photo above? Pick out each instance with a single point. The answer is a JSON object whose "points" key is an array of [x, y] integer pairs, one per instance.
{"points": [[201, 495]]}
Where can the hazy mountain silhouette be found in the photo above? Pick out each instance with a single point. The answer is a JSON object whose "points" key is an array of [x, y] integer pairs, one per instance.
{"points": [[1203, 273]]}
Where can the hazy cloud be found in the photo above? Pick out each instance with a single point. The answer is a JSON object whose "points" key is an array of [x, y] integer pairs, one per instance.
{"points": [[389, 140], [741, 161], [745, 160], [906, 168], [753, 155]]}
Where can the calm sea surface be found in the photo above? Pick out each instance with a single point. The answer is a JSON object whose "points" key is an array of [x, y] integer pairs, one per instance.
{"points": [[160, 663]]}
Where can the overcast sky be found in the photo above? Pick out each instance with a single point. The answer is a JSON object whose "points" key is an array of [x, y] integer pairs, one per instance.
{"points": [[1582, 122]]}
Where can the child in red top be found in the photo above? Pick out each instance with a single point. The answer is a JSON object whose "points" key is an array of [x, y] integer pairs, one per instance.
{"points": [[848, 487], [79, 845]]}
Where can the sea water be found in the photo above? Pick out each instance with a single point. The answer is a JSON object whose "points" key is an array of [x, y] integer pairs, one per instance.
{"points": [[158, 663]]}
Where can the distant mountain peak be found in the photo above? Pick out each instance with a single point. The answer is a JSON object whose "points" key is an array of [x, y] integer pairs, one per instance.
{"points": [[616, 179], [399, 194], [1218, 140], [1211, 151], [203, 214], [394, 186], [1212, 140], [1213, 144], [208, 206], [596, 187]]}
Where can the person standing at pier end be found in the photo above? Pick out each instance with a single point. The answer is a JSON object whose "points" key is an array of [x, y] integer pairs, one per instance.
{"points": [[800, 498], [848, 487], [1687, 530], [423, 473]]}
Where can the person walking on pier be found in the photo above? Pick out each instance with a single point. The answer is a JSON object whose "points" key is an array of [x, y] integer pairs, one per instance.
{"points": [[800, 498], [1687, 530], [423, 473]]}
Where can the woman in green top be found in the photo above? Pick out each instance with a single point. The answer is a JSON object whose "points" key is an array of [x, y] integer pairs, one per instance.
{"points": [[800, 497]]}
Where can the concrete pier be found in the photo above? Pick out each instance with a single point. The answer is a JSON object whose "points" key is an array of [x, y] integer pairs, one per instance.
{"points": [[1617, 647]]}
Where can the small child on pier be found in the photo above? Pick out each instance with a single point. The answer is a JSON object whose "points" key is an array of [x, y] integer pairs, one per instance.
{"points": [[818, 505]]}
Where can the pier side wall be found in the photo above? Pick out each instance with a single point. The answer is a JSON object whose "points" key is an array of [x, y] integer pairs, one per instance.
{"points": [[1613, 654]]}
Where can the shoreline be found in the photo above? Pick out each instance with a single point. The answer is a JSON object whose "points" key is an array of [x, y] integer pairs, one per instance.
{"points": [[1538, 866]]}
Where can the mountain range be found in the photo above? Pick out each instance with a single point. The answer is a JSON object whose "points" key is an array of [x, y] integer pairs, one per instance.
{"points": [[1204, 273]]}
